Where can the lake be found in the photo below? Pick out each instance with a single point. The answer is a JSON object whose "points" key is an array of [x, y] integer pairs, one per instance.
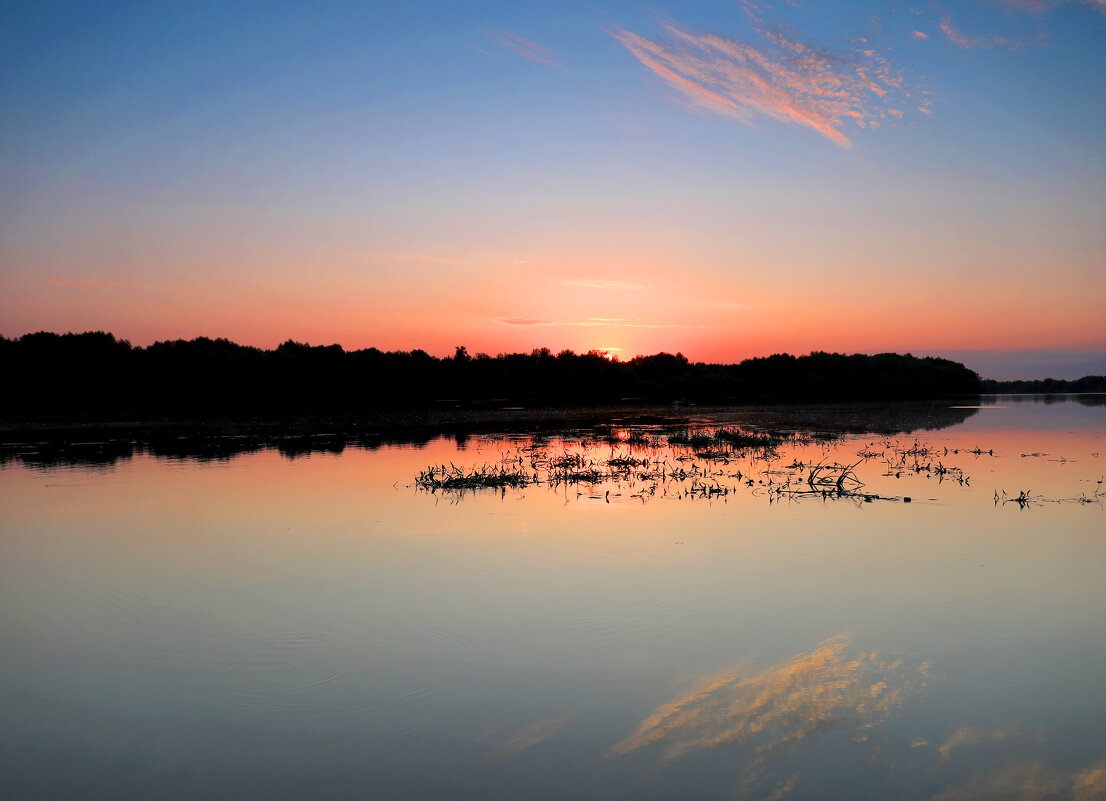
{"points": [[620, 616]]}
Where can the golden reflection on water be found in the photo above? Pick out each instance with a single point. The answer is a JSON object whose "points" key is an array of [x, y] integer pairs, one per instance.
{"points": [[812, 694], [835, 688], [970, 735], [325, 597], [1031, 781], [528, 736]]}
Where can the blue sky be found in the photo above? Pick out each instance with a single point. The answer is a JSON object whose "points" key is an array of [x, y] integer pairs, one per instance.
{"points": [[721, 178]]}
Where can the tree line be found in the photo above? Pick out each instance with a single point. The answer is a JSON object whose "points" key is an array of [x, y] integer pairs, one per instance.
{"points": [[94, 374], [1047, 386]]}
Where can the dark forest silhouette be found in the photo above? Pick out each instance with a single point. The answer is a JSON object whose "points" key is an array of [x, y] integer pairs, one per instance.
{"points": [[95, 375], [1043, 386]]}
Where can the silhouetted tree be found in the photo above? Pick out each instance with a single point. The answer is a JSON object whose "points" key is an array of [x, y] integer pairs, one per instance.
{"points": [[94, 374]]}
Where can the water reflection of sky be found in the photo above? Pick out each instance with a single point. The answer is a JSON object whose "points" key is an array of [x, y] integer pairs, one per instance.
{"points": [[1081, 414], [315, 627]]}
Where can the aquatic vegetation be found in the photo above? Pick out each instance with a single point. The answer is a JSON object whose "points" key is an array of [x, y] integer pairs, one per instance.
{"points": [[715, 464], [694, 464], [457, 479], [1025, 498], [733, 437]]}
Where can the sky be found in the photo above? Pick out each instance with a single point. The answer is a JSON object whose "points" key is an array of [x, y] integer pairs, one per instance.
{"points": [[724, 179]]}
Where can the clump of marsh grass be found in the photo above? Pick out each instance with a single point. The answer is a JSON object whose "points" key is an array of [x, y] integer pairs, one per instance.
{"points": [[623, 463], [693, 463], [567, 461], [734, 438], [456, 479]]}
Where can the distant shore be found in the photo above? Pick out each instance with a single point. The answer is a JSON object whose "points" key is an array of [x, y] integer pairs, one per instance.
{"points": [[94, 374], [93, 385]]}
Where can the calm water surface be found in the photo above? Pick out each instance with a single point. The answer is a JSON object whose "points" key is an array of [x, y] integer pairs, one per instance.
{"points": [[322, 627]]}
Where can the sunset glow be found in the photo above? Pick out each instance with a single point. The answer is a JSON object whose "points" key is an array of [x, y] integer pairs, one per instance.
{"points": [[722, 179]]}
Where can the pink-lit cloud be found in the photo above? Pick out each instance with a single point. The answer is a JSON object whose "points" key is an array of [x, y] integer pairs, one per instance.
{"points": [[1039, 6], [920, 35], [531, 51], [961, 39], [593, 322], [422, 258], [778, 77], [598, 283], [88, 282], [523, 321]]}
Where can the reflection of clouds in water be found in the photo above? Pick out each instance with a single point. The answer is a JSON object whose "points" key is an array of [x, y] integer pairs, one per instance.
{"points": [[807, 696], [968, 735], [528, 737], [834, 689], [1090, 784], [1033, 781]]}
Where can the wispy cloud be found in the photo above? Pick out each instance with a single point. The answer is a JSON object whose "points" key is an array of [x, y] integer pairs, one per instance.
{"points": [[966, 40], [961, 39], [598, 283], [1036, 6], [423, 258], [593, 322], [1039, 6], [84, 282], [523, 321], [778, 77], [531, 51], [920, 35]]}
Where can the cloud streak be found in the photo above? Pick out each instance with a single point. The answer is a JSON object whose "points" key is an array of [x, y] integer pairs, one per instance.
{"points": [[84, 282], [960, 39], [531, 51], [597, 283], [592, 322], [778, 77], [422, 258], [1040, 6]]}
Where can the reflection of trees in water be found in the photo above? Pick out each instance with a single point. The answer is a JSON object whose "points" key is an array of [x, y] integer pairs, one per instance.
{"points": [[92, 447], [199, 447], [1047, 398], [904, 417]]}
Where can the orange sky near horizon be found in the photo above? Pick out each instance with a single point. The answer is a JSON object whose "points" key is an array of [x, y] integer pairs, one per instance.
{"points": [[621, 180], [630, 305]]}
